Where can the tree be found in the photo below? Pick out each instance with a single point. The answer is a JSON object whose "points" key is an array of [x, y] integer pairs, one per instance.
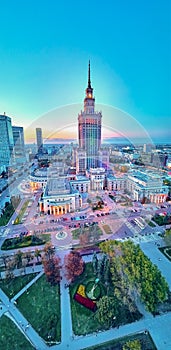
{"points": [[132, 345], [5, 259], [107, 310], [28, 256], [133, 273], [48, 251], [107, 273], [18, 259], [9, 276], [95, 263], [37, 254], [11, 263], [74, 265], [52, 269]]}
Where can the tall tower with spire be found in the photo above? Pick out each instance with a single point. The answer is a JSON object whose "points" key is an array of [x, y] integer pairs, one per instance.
{"points": [[89, 129]]}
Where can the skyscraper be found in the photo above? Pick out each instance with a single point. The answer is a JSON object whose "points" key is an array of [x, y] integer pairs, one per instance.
{"points": [[6, 141], [39, 139], [19, 148], [89, 129]]}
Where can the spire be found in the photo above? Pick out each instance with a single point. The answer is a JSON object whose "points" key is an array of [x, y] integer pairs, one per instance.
{"points": [[89, 81]]}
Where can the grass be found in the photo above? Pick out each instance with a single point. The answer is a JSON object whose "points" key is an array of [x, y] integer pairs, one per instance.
{"points": [[10, 336], [85, 321], [166, 251], [77, 232], [162, 220], [25, 241], [150, 223], [9, 211], [107, 229], [18, 219], [16, 284], [41, 306], [117, 344]]}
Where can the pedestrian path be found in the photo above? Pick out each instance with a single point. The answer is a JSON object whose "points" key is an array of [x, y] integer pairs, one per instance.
{"points": [[27, 287], [159, 326], [22, 323]]}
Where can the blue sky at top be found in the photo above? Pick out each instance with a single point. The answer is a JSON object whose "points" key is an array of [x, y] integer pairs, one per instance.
{"points": [[45, 47]]}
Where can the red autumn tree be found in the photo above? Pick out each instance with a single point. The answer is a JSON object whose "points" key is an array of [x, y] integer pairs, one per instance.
{"points": [[74, 265], [52, 269]]}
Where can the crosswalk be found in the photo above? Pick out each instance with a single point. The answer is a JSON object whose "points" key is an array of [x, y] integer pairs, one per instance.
{"points": [[65, 247], [132, 228]]}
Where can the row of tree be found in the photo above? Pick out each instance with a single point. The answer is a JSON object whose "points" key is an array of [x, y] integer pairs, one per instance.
{"points": [[73, 264], [134, 275], [19, 261]]}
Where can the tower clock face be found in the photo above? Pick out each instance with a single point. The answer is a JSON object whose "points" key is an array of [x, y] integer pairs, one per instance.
{"points": [[89, 95]]}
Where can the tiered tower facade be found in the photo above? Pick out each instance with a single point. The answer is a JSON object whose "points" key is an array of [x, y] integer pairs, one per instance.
{"points": [[89, 130]]}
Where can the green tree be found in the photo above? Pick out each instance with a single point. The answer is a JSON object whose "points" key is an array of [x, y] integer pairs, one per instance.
{"points": [[37, 254], [9, 276], [107, 311], [18, 259], [132, 345], [133, 273], [48, 250], [95, 263]]}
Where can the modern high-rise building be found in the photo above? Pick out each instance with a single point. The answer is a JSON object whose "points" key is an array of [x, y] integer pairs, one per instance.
{"points": [[6, 141], [39, 139], [19, 147], [89, 129]]}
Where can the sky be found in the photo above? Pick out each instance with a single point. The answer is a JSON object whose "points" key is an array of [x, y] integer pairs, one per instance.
{"points": [[45, 47]]}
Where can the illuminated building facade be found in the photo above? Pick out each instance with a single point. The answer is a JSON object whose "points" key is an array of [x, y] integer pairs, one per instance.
{"points": [[89, 130], [39, 139], [6, 141]]}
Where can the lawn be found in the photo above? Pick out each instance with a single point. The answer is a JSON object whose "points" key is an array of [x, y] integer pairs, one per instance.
{"points": [[107, 229], [162, 220], [150, 223], [25, 241], [84, 321], [117, 344], [10, 336], [9, 211], [18, 219], [168, 252], [41, 306], [16, 284], [77, 232]]}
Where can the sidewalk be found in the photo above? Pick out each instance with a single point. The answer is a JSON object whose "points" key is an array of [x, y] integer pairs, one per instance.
{"points": [[22, 323]]}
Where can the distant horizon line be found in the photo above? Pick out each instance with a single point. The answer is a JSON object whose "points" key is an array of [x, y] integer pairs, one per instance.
{"points": [[105, 140]]}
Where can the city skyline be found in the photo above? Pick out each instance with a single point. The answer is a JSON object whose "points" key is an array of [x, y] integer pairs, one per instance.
{"points": [[130, 59]]}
